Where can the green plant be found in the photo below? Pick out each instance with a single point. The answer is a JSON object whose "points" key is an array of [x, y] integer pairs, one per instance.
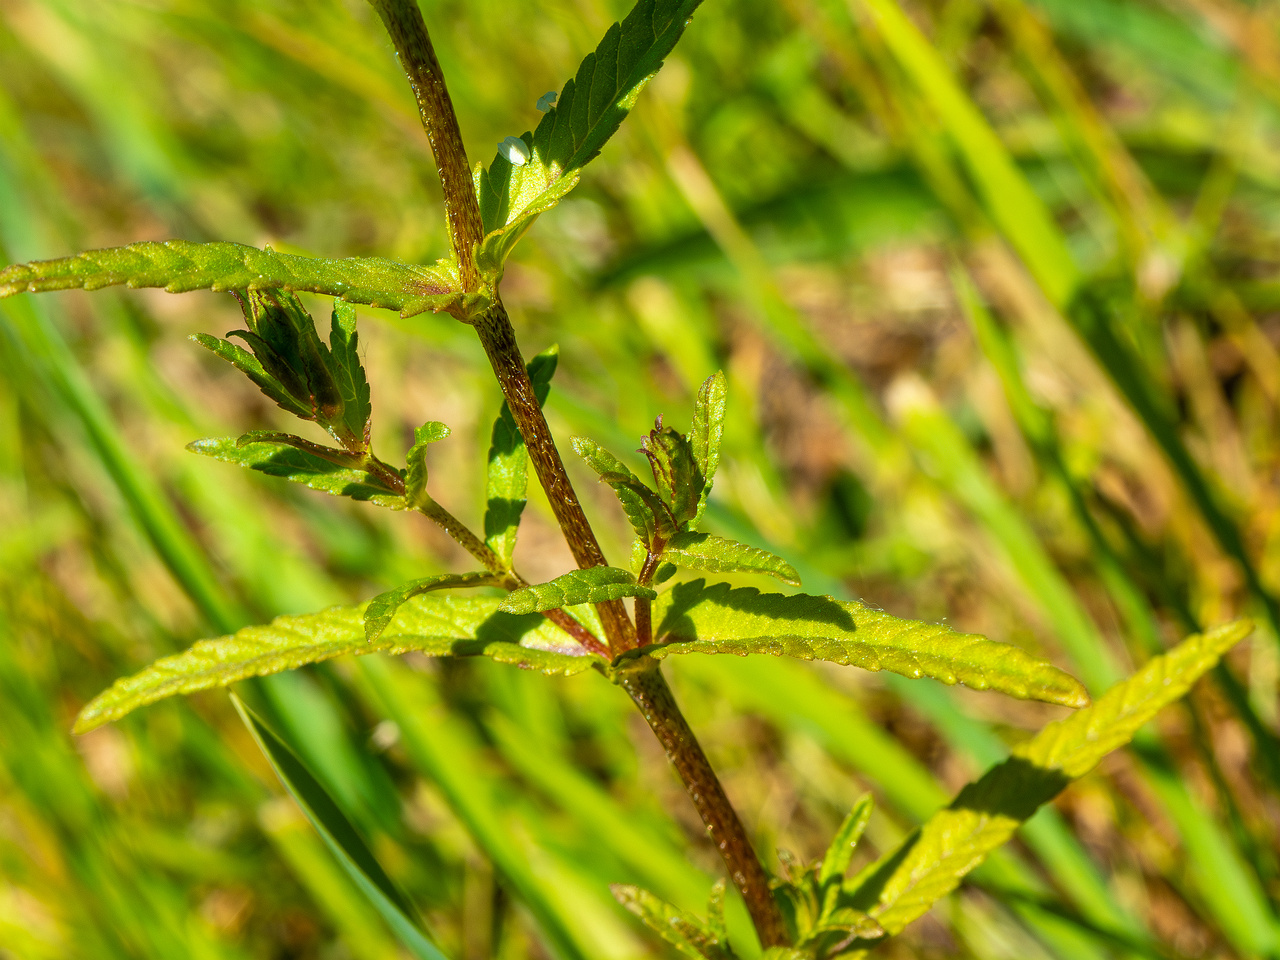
{"points": [[577, 622]]}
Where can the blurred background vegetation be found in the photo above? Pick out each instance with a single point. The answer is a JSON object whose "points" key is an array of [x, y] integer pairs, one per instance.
{"points": [[996, 286]]}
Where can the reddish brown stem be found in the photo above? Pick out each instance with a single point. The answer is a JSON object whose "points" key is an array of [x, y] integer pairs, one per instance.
{"points": [[648, 688]]}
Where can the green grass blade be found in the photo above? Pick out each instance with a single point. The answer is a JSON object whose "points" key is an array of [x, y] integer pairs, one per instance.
{"points": [[180, 266], [341, 838], [696, 618]]}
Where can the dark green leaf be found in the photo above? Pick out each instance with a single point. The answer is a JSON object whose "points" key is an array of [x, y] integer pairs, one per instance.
{"points": [[383, 607], [695, 618], [675, 472], [689, 935], [508, 465], [340, 837], [348, 371], [593, 585], [276, 459], [702, 551], [415, 478], [180, 265], [248, 364], [930, 864], [707, 432], [435, 625], [587, 113]]}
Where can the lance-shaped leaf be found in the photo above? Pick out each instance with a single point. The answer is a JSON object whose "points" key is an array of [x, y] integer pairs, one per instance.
{"points": [[180, 265], [703, 551], [265, 453], [415, 477], [695, 618], [342, 839], [382, 608], [901, 886], [840, 851], [707, 432], [675, 471], [438, 626], [508, 474], [586, 114], [348, 371], [592, 585], [248, 364], [689, 935], [645, 510]]}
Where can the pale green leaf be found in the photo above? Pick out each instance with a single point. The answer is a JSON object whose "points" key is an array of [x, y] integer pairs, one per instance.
{"points": [[277, 459], [689, 935], [985, 814], [675, 472], [435, 625], [592, 585], [382, 608], [707, 432], [703, 551], [415, 478], [180, 265], [695, 618], [508, 478], [840, 851], [586, 114], [342, 839]]}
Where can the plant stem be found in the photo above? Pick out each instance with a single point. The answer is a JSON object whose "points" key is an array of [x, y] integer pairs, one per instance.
{"points": [[642, 681], [408, 33], [649, 690], [499, 341]]}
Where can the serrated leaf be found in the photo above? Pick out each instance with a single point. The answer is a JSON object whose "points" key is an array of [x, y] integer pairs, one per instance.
{"points": [[382, 608], [348, 371], [342, 839], [586, 114], [840, 851], [985, 814], [277, 459], [716, 925], [675, 472], [592, 585], [508, 478], [645, 510], [696, 618], [689, 935], [435, 625], [248, 364], [703, 551], [706, 434], [415, 478], [180, 265]]}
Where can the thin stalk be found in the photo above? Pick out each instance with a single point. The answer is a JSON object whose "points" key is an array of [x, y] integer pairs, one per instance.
{"points": [[645, 684], [648, 689]]}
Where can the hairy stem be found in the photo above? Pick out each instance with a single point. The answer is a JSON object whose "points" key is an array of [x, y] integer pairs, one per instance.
{"points": [[404, 23], [499, 341], [648, 688]]}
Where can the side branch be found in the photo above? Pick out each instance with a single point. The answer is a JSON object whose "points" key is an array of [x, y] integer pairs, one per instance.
{"points": [[408, 33], [648, 688]]}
